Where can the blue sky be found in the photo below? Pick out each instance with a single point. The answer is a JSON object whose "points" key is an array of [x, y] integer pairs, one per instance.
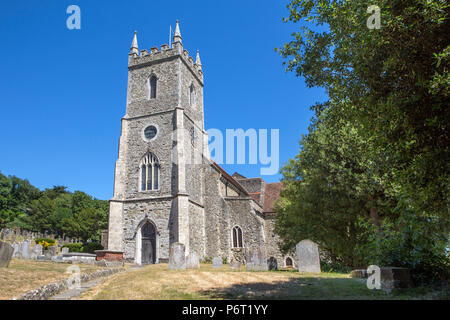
{"points": [[63, 92]]}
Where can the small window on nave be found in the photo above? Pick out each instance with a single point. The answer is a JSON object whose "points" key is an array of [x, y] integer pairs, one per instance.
{"points": [[237, 237]]}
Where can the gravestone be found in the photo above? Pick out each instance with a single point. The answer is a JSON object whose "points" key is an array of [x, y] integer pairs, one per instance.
{"points": [[25, 249], [235, 265], [65, 250], [359, 273], [53, 250], [177, 259], [6, 253], [58, 258], [394, 278], [36, 251], [192, 261], [272, 263], [308, 256], [47, 255], [15, 245], [217, 262], [256, 261]]}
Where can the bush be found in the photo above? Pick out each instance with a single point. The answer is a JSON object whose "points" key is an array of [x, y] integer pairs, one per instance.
{"points": [[45, 242], [90, 247], [334, 267], [74, 247]]}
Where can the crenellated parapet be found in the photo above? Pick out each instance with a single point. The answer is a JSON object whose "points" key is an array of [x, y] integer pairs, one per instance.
{"points": [[142, 58]]}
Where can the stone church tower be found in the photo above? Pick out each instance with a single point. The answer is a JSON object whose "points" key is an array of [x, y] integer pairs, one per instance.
{"points": [[166, 188], [163, 125]]}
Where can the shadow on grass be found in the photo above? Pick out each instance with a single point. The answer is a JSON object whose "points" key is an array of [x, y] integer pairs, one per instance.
{"points": [[298, 289]]}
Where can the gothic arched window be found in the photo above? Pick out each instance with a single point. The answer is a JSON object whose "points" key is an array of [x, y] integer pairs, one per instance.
{"points": [[152, 86], [149, 168], [192, 95], [237, 237]]}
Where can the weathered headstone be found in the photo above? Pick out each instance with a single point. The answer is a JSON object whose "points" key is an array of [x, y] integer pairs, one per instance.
{"points": [[65, 250], [395, 278], [25, 249], [36, 251], [235, 265], [192, 261], [15, 245], [58, 258], [256, 261], [308, 256], [359, 273], [53, 250], [272, 263], [6, 253], [217, 262], [177, 259], [47, 255]]}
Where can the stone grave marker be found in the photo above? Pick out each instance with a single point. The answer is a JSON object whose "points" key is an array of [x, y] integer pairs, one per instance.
{"points": [[192, 261], [177, 258], [15, 245], [53, 250], [6, 253], [25, 249], [256, 261], [47, 255], [217, 262], [235, 265], [272, 263], [36, 251], [65, 250], [308, 256]]}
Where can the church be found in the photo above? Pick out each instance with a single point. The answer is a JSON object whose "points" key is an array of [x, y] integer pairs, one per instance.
{"points": [[167, 188]]}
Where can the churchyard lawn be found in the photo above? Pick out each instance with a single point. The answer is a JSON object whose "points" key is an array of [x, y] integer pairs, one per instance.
{"points": [[158, 282], [25, 275]]}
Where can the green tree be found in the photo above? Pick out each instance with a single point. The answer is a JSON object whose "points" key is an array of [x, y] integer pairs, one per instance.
{"points": [[5, 189], [391, 85], [40, 212]]}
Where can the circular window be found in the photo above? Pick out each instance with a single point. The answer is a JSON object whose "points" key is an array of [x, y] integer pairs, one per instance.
{"points": [[150, 132]]}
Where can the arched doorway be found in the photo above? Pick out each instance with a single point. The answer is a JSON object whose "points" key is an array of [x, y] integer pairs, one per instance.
{"points": [[288, 262], [148, 243]]}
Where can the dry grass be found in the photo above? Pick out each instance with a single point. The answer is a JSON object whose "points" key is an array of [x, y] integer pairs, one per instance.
{"points": [[26, 275], [156, 282]]}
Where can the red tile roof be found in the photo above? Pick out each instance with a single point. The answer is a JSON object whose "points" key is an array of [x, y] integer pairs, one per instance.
{"points": [[271, 193], [256, 196]]}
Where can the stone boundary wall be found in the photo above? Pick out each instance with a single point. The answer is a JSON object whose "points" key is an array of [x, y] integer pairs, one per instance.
{"points": [[51, 289], [10, 235]]}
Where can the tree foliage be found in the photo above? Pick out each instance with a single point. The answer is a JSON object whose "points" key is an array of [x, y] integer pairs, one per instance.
{"points": [[371, 181], [54, 210]]}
